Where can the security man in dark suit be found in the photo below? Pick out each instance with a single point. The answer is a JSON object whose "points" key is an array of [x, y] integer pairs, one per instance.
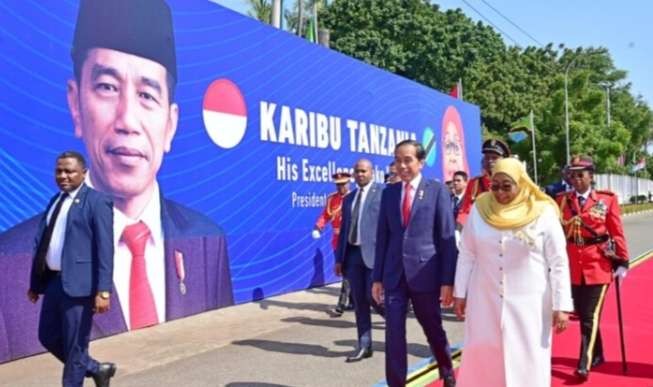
{"points": [[355, 251], [564, 185], [73, 269]]}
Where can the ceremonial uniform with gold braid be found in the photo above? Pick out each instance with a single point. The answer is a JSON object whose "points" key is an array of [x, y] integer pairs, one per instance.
{"points": [[332, 213], [591, 229]]}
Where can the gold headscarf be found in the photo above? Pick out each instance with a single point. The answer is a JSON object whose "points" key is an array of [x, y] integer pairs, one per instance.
{"points": [[523, 209]]}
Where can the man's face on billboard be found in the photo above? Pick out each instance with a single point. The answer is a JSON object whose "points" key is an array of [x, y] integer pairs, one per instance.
{"points": [[121, 110]]}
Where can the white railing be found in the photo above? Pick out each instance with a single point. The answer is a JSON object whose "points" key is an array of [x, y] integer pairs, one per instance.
{"points": [[624, 186]]}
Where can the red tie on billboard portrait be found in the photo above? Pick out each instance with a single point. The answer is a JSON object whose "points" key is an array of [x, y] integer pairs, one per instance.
{"points": [[142, 310]]}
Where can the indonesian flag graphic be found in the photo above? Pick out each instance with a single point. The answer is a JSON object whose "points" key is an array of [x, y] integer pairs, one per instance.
{"points": [[225, 113]]}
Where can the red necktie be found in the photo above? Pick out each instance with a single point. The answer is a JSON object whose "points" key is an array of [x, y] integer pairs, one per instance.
{"points": [[142, 310], [405, 206]]}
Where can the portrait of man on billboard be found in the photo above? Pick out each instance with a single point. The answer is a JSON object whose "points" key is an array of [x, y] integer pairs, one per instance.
{"points": [[121, 101]]}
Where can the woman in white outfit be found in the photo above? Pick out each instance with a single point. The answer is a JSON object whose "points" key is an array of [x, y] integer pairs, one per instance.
{"points": [[512, 283]]}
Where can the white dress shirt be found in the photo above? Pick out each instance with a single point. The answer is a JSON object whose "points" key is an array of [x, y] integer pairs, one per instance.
{"points": [[154, 256], [414, 184], [53, 257], [585, 195]]}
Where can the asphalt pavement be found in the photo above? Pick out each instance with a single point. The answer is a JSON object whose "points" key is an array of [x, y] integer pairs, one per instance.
{"points": [[289, 340]]}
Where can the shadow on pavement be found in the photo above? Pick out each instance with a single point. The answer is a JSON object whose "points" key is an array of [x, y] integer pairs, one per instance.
{"points": [[332, 323], [325, 290], [418, 350], [414, 349], [265, 304], [255, 384], [296, 348]]}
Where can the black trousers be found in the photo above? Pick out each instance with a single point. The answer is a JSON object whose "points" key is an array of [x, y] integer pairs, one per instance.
{"points": [[588, 302]]}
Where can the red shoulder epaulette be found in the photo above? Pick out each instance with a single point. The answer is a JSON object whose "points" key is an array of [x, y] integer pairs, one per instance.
{"points": [[605, 192]]}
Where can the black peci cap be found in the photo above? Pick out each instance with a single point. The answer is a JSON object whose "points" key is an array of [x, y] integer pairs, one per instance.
{"points": [[137, 27], [497, 147]]}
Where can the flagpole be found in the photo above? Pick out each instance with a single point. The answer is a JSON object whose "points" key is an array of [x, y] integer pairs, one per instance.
{"points": [[534, 151], [315, 29]]}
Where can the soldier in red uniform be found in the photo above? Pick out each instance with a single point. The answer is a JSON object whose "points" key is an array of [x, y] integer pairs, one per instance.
{"points": [[333, 213], [493, 150], [596, 246]]}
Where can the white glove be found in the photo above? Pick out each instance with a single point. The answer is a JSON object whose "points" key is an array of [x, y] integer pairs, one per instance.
{"points": [[315, 234], [620, 273]]}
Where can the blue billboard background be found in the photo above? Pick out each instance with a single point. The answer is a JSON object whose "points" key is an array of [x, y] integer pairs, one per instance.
{"points": [[240, 188]]}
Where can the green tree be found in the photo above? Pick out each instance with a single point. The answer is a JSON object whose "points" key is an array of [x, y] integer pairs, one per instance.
{"points": [[414, 39], [260, 10]]}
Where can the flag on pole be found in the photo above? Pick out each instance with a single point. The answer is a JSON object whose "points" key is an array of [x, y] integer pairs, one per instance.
{"points": [[519, 129], [457, 90], [641, 164], [521, 124]]}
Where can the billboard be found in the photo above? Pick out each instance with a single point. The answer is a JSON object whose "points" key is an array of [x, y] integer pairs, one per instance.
{"points": [[231, 176]]}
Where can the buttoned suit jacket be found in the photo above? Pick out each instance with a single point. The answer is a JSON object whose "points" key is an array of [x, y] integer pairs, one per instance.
{"points": [[200, 241], [367, 224], [424, 251]]}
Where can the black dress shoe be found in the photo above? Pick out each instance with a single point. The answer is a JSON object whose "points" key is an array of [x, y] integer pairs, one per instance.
{"points": [[449, 381], [582, 374], [597, 361], [361, 354], [338, 310], [104, 374]]}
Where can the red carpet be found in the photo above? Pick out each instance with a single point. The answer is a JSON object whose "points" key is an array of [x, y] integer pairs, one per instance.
{"points": [[637, 309]]}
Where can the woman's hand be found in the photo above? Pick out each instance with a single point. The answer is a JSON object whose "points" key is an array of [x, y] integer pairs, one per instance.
{"points": [[560, 320]]}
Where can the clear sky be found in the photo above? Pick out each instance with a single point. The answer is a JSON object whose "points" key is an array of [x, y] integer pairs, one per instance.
{"points": [[625, 28]]}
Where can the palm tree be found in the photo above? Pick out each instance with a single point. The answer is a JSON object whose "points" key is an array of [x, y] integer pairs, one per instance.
{"points": [[260, 10]]}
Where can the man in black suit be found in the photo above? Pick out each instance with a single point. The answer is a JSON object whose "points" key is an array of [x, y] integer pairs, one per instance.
{"points": [[458, 186], [73, 269]]}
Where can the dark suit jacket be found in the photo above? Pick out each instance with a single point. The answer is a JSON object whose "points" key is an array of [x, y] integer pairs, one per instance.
{"points": [[87, 254], [366, 224], [554, 189], [208, 278], [425, 251]]}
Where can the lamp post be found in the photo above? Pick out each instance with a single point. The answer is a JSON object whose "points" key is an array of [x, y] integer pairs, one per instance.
{"points": [[567, 110]]}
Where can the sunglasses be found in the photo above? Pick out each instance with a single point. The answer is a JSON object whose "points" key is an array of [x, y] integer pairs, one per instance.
{"points": [[577, 174], [505, 187]]}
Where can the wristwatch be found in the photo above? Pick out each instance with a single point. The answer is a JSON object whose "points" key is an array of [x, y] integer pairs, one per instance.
{"points": [[104, 295]]}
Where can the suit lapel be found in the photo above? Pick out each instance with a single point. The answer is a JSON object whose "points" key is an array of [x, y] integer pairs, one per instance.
{"points": [[175, 249], [418, 199], [77, 205], [370, 196], [44, 219]]}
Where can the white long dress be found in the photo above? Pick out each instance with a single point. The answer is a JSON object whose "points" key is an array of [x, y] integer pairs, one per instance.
{"points": [[513, 281]]}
